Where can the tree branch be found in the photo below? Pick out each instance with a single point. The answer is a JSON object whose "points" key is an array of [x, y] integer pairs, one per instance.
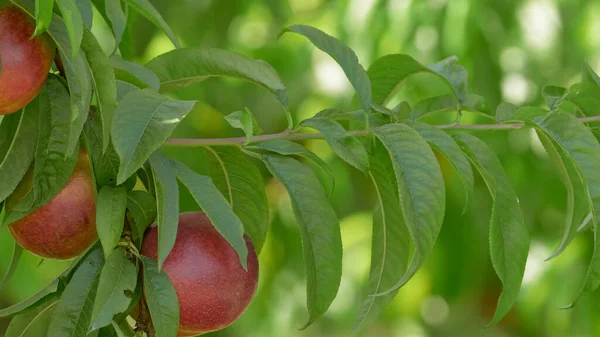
{"points": [[290, 135]]}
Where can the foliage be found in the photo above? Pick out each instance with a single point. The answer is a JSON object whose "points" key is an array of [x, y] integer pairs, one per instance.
{"points": [[121, 112]]}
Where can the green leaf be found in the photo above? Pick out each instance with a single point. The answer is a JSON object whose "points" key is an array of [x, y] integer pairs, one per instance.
{"points": [[289, 148], [141, 208], [14, 261], [110, 216], [73, 22], [346, 146], [388, 72], [103, 78], [586, 96], [454, 73], [244, 120], [124, 89], [473, 103], [161, 299], [104, 164], [73, 313], [117, 279], [589, 75], [523, 113], [118, 21], [577, 205], [51, 170], [319, 230], [505, 111], [87, 12], [391, 246], [18, 139], [142, 122], [167, 204], [19, 326], [242, 184], [134, 73], [447, 147], [145, 8], [183, 67], [43, 16], [421, 190], [583, 150], [123, 329], [216, 207], [509, 237], [344, 56], [553, 95]]}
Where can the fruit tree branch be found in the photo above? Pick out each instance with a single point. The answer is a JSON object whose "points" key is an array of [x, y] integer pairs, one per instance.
{"points": [[290, 135]]}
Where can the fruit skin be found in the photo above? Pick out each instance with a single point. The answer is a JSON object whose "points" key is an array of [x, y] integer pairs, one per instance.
{"points": [[212, 286], [25, 63], [64, 227]]}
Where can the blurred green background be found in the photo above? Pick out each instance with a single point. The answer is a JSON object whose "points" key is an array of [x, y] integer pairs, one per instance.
{"points": [[511, 50]]}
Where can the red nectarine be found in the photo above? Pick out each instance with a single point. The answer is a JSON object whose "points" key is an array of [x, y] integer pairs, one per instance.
{"points": [[212, 286], [25, 63], [64, 227]]}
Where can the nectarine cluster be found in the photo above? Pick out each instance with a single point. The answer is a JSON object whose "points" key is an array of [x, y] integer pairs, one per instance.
{"points": [[24, 62]]}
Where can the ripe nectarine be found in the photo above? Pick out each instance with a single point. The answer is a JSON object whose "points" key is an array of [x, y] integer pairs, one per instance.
{"points": [[25, 63], [66, 226], [212, 286]]}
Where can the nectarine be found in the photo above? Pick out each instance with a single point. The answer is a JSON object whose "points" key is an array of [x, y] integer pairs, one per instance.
{"points": [[64, 227], [212, 286], [25, 63]]}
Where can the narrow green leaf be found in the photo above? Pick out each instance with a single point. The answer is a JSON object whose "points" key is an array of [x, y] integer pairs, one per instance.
{"points": [[167, 204], [141, 208], [586, 97], [118, 21], [447, 147], [123, 329], [104, 164], [110, 216], [182, 67], [289, 148], [86, 11], [19, 326], [509, 237], [145, 8], [421, 190], [73, 22], [391, 246], [161, 299], [18, 139], [344, 56], [319, 230], [134, 73], [117, 279], [72, 316], [347, 147], [43, 16], [577, 204], [583, 150], [244, 120], [216, 207], [142, 122], [242, 184], [103, 79], [14, 261], [388, 72]]}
